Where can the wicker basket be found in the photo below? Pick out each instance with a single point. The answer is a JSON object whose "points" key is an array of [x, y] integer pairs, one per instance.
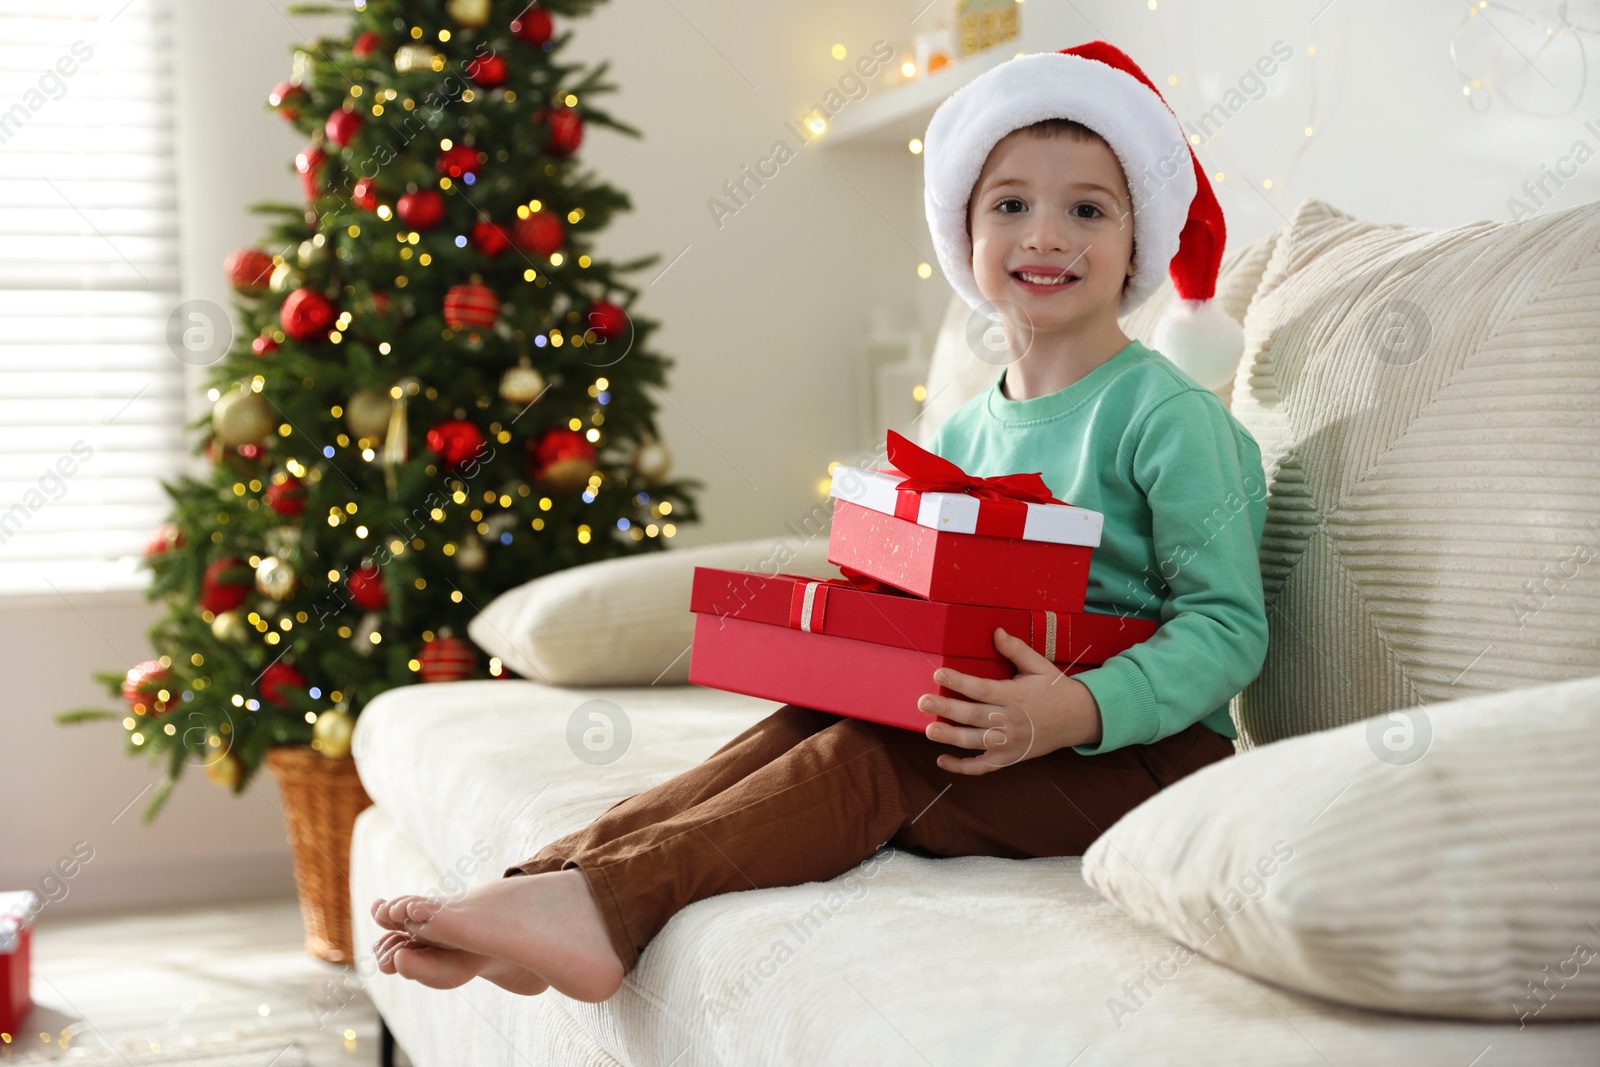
{"points": [[321, 799]]}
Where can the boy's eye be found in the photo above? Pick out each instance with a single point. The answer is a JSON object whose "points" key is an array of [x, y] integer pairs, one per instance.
{"points": [[1092, 208], [1008, 200]]}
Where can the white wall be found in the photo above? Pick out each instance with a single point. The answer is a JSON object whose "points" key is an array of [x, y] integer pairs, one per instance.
{"points": [[762, 314]]}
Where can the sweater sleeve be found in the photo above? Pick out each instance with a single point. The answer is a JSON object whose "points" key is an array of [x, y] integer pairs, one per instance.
{"points": [[1205, 523]]}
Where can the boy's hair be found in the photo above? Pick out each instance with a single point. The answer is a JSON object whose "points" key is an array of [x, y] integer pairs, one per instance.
{"points": [[1076, 131]]}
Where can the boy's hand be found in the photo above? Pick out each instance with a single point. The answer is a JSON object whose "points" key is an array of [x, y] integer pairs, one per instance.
{"points": [[1037, 711]]}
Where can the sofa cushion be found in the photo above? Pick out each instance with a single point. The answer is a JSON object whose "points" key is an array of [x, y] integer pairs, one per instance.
{"points": [[1425, 404], [904, 959], [1433, 860], [496, 764], [626, 621]]}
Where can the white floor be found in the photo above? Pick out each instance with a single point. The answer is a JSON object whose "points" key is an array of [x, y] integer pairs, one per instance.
{"points": [[191, 972]]}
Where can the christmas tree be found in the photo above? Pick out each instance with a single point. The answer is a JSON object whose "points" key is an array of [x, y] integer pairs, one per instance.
{"points": [[437, 392]]}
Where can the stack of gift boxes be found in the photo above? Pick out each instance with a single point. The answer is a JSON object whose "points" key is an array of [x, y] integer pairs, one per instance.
{"points": [[934, 560]]}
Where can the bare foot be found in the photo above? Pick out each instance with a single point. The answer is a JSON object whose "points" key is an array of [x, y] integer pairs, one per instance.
{"points": [[439, 966], [447, 968], [547, 923]]}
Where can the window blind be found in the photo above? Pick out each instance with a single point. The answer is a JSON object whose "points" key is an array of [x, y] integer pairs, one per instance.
{"points": [[91, 396]]}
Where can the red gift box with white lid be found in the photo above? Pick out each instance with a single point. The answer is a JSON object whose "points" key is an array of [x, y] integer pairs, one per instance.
{"points": [[929, 528], [855, 647], [17, 910]]}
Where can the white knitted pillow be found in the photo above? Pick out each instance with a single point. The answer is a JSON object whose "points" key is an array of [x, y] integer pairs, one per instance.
{"points": [[1425, 402], [1441, 860], [624, 621]]}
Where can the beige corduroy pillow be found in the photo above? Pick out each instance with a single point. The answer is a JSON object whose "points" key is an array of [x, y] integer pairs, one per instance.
{"points": [[624, 621], [1441, 860], [1426, 404]]}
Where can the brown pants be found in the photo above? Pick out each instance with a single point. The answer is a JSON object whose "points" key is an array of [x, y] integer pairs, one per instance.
{"points": [[806, 795]]}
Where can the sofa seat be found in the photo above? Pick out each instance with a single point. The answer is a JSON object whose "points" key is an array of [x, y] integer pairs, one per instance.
{"points": [[908, 959]]}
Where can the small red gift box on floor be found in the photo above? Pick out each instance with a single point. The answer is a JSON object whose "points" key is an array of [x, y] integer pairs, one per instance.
{"points": [[855, 647], [931, 529], [16, 930]]}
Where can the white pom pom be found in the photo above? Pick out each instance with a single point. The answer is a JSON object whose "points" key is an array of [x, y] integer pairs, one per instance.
{"points": [[1201, 339]]}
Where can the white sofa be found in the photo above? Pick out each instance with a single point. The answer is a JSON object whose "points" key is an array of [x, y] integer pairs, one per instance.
{"points": [[1415, 494]]}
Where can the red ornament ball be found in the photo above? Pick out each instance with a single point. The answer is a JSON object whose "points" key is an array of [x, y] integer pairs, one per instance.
{"points": [[164, 538], [561, 457], [534, 26], [366, 43], [540, 233], [286, 98], [226, 584], [365, 195], [249, 270], [277, 679], [455, 442], [421, 210], [458, 160], [489, 238], [607, 320], [471, 306], [447, 659], [143, 686], [305, 314], [566, 129], [216, 452], [342, 127], [487, 71], [263, 346], [366, 588], [288, 497], [310, 163]]}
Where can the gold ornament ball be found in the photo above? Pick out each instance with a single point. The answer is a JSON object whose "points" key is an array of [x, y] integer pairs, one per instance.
{"points": [[470, 13], [568, 475], [330, 734], [522, 384], [284, 278], [229, 627], [414, 57], [225, 770], [274, 577], [241, 417], [652, 460], [367, 413]]}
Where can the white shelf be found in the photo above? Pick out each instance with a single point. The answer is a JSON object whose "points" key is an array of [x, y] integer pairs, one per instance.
{"points": [[892, 117]]}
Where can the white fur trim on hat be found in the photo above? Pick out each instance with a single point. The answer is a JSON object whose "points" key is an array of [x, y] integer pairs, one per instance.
{"points": [[1143, 134]]}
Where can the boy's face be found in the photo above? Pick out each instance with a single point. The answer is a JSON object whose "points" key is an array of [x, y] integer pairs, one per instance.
{"points": [[1061, 207]]}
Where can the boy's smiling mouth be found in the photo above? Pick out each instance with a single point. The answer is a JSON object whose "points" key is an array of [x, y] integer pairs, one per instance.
{"points": [[1037, 278]]}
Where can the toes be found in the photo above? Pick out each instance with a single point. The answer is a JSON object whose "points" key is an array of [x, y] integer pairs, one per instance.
{"points": [[385, 947], [387, 912], [420, 909]]}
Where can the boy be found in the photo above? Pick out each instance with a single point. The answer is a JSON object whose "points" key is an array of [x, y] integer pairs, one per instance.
{"points": [[1112, 425]]}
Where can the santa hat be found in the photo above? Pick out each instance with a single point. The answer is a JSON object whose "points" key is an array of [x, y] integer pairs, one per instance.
{"points": [[1177, 223]]}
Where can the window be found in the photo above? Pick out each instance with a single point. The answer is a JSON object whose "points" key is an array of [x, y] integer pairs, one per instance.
{"points": [[91, 394]]}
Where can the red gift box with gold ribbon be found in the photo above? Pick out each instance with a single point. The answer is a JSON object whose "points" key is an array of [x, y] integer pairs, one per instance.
{"points": [[856, 647], [930, 529]]}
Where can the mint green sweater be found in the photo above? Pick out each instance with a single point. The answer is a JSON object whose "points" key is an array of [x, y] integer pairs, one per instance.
{"points": [[1180, 484]]}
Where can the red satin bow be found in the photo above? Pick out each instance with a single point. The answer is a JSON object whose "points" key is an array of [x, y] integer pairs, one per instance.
{"points": [[929, 473]]}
